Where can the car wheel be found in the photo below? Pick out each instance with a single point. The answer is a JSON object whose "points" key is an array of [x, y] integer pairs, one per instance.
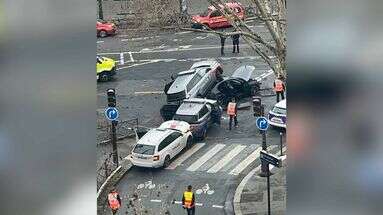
{"points": [[204, 134], [103, 33], [167, 161], [104, 77], [189, 142]]}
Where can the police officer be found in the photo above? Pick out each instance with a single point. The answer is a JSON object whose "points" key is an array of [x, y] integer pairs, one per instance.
{"points": [[223, 38], [232, 112], [279, 87], [235, 39], [114, 201], [188, 201]]}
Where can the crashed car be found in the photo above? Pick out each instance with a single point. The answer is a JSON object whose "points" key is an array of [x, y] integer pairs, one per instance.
{"points": [[239, 85], [200, 114], [193, 83]]}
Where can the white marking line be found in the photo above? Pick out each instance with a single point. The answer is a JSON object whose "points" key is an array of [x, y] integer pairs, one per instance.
{"points": [[218, 206], [226, 159], [122, 59], [131, 57], [183, 32], [100, 41], [185, 156], [156, 200], [148, 92], [205, 157], [198, 204], [264, 75], [241, 186], [251, 158], [137, 64], [177, 202]]}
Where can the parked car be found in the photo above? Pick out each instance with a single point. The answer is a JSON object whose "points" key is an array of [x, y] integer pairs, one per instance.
{"points": [[239, 85], [195, 82], [106, 68], [278, 115], [158, 146], [200, 114], [105, 28], [213, 18]]}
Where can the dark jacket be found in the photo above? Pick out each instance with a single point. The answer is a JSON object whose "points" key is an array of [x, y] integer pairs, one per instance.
{"points": [[223, 38], [235, 38]]}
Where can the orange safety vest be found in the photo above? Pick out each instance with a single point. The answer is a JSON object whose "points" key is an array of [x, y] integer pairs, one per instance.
{"points": [[188, 199], [278, 86], [113, 201], [231, 109]]}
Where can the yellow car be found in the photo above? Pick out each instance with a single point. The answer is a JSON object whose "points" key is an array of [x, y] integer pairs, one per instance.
{"points": [[106, 68]]}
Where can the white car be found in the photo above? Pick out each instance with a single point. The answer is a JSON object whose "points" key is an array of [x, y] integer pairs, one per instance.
{"points": [[158, 146], [278, 115]]}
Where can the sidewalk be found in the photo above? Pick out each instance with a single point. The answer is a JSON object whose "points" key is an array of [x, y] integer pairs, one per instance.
{"points": [[252, 195]]}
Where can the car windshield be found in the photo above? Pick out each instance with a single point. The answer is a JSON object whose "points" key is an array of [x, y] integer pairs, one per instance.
{"points": [[144, 149], [186, 118], [278, 110], [205, 13]]}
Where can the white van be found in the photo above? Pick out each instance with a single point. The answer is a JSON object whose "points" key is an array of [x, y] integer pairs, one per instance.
{"points": [[278, 115]]}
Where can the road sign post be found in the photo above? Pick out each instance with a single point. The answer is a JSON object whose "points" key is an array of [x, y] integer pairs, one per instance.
{"points": [[266, 160], [280, 142], [263, 125], [112, 114]]}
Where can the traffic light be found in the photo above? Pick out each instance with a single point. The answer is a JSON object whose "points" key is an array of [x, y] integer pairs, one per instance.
{"points": [[111, 97]]}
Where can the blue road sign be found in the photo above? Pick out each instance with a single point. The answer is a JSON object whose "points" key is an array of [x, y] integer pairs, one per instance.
{"points": [[262, 123], [111, 113]]}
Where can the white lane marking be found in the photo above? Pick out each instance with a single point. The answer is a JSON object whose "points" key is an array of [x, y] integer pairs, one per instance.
{"points": [[218, 206], [205, 157], [241, 186], [122, 59], [226, 159], [264, 75], [137, 64], [183, 32], [198, 204], [100, 41], [156, 200], [148, 92], [185, 156], [137, 38], [131, 57], [177, 202], [248, 160], [185, 47]]}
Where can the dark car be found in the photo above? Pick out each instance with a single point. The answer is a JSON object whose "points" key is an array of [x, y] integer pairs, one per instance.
{"points": [[200, 114], [239, 85]]}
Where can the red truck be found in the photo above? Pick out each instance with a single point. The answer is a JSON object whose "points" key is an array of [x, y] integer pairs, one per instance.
{"points": [[213, 18], [105, 28]]}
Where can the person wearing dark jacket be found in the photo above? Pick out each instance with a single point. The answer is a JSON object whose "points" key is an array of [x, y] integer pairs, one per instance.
{"points": [[235, 39], [223, 38]]}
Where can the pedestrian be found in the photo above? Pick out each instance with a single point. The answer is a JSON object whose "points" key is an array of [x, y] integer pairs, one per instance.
{"points": [[223, 38], [188, 201], [114, 201], [232, 112], [279, 87], [235, 39]]}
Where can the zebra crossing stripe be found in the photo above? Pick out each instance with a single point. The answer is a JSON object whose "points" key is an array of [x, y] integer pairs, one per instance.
{"points": [[251, 158], [185, 156], [226, 159], [205, 157]]}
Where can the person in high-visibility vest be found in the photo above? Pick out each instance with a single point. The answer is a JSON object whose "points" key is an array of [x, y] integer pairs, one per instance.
{"points": [[188, 201], [279, 88], [232, 112], [114, 201]]}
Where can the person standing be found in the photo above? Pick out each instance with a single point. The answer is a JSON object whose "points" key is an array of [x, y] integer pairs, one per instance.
{"points": [[223, 38], [188, 201], [279, 87], [114, 201], [232, 112], [235, 39]]}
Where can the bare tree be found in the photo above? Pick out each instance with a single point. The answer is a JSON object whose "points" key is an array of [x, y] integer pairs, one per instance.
{"points": [[273, 14]]}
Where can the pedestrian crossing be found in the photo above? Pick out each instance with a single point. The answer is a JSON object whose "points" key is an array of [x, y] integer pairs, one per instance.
{"points": [[232, 159]]}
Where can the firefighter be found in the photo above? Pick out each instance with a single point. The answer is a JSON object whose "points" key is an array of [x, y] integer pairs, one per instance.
{"points": [[114, 201], [188, 201], [232, 112], [279, 87]]}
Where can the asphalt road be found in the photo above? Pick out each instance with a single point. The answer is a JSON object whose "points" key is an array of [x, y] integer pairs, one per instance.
{"points": [[215, 166]]}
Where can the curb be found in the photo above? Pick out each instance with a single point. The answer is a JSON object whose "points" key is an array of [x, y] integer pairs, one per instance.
{"points": [[112, 179], [241, 186]]}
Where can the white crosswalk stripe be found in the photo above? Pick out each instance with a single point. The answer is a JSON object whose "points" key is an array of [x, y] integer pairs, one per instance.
{"points": [[185, 156], [205, 157], [226, 159], [248, 160]]}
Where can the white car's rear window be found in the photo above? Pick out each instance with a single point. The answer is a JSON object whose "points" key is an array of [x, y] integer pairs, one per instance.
{"points": [[144, 149]]}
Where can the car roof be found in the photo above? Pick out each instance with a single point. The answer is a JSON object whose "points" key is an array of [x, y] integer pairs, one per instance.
{"points": [[154, 136], [175, 125], [205, 63], [281, 104], [189, 108], [244, 72], [180, 82]]}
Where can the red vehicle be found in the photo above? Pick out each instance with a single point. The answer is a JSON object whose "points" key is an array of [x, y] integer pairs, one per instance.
{"points": [[213, 18], [105, 28]]}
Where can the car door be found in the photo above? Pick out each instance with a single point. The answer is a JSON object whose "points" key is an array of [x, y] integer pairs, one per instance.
{"points": [[171, 144], [216, 19], [204, 118], [178, 142]]}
